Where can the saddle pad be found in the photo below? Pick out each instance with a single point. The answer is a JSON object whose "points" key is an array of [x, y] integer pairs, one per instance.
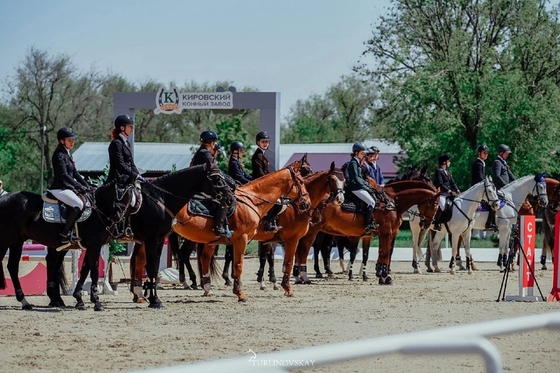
{"points": [[207, 208], [484, 207], [51, 213]]}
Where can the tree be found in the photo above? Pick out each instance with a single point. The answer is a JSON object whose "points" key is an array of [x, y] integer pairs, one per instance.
{"points": [[454, 74], [345, 113]]}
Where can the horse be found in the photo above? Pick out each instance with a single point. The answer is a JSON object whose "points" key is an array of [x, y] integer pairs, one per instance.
{"points": [[340, 222], [163, 198], [21, 219], [253, 201]]}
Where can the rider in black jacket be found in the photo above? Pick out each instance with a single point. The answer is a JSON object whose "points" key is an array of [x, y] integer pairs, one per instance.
{"points": [[67, 183], [478, 174]]}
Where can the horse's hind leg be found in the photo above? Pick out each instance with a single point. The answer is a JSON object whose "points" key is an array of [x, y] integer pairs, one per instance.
{"points": [[316, 249], [185, 261], [366, 242], [84, 272], [55, 260], [92, 256], [353, 251], [263, 252], [326, 248], [137, 265], [13, 267]]}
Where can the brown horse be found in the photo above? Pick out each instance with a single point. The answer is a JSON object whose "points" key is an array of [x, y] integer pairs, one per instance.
{"points": [[254, 200], [345, 223]]}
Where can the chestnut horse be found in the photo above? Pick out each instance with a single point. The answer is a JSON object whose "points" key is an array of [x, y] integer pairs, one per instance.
{"points": [[344, 223], [254, 200]]}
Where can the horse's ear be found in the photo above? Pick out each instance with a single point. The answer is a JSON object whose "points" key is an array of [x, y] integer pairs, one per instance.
{"points": [[332, 166], [423, 170], [304, 158], [296, 165]]}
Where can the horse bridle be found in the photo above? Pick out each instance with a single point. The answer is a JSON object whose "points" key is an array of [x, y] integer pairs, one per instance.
{"points": [[301, 204], [334, 193], [539, 194], [423, 215]]}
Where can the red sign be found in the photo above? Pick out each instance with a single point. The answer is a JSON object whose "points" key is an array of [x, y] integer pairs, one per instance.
{"points": [[529, 235]]}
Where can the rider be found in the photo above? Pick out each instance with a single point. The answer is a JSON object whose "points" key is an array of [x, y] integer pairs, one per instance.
{"points": [[67, 183], [478, 174], [444, 181], [371, 167], [260, 168], [501, 173], [2, 191], [204, 154], [357, 184], [235, 168]]}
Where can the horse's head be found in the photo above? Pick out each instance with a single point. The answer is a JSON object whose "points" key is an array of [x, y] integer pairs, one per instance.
{"points": [[540, 187], [427, 210], [305, 168], [221, 190], [298, 192], [336, 184], [490, 194], [553, 193]]}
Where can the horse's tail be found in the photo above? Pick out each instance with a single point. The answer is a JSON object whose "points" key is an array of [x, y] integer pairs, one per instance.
{"points": [[173, 242], [2, 278], [213, 269]]}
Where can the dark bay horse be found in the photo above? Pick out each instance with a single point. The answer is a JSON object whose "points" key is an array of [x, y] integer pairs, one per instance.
{"points": [[21, 219], [345, 223], [163, 198]]}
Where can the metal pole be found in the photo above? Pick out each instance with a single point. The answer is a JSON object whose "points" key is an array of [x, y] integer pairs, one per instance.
{"points": [[43, 130]]}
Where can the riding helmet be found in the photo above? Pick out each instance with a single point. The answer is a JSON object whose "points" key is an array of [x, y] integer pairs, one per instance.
{"points": [[358, 147], [66, 133], [263, 135], [374, 149], [482, 148], [443, 158], [503, 148], [236, 145], [208, 136], [123, 120]]}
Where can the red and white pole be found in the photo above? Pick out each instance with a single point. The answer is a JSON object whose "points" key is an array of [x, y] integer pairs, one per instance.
{"points": [[555, 292], [528, 236]]}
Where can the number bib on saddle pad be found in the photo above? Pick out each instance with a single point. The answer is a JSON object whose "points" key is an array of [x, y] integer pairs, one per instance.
{"points": [[54, 211], [207, 208], [485, 207]]}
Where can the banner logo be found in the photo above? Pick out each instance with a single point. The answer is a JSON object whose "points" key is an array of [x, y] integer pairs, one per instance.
{"points": [[170, 101]]}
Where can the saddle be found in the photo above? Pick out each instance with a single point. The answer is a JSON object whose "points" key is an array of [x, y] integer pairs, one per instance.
{"points": [[447, 212], [55, 211], [207, 208], [354, 204]]}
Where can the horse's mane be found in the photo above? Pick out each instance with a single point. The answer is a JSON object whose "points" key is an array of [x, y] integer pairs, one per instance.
{"points": [[165, 178], [518, 181]]}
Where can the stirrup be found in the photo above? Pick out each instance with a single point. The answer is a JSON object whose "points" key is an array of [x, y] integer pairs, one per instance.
{"points": [[220, 231]]}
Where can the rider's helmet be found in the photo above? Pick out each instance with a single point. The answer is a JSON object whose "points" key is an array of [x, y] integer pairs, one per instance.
{"points": [[236, 145], [66, 133], [443, 158], [482, 148], [374, 149], [123, 120], [503, 148], [358, 146], [263, 135], [208, 136]]}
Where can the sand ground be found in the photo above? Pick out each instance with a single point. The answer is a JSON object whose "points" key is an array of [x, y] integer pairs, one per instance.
{"points": [[129, 336]]}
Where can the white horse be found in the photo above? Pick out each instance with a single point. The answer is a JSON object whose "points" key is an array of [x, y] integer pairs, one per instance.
{"points": [[462, 220], [514, 195]]}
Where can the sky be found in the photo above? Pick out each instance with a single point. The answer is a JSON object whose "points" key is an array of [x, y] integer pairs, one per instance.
{"points": [[295, 47]]}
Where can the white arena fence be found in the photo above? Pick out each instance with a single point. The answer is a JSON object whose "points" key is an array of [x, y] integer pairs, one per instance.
{"points": [[463, 339]]}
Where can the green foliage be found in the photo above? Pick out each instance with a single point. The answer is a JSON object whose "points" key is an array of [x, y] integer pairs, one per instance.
{"points": [[453, 75], [230, 130]]}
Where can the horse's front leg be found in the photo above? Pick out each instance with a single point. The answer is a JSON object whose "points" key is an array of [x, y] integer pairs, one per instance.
{"points": [[303, 247], [153, 251], [454, 251], [78, 290], [184, 256], [228, 258], [366, 242], [466, 238], [239, 246], [382, 266], [270, 260], [204, 259], [353, 249], [434, 246], [92, 256], [263, 252]]}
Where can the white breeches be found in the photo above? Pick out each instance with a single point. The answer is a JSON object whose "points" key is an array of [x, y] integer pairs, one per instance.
{"points": [[365, 196], [69, 197]]}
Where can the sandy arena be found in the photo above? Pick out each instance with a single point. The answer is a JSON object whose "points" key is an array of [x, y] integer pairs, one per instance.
{"points": [[129, 336]]}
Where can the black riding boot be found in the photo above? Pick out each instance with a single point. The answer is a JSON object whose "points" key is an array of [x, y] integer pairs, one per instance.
{"points": [[437, 224], [371, 226], [221, 215], [67, 234], [270, 219], [491, 221]]}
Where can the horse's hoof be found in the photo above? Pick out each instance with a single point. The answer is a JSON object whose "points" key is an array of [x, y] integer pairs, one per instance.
{"points": [[307, 282], [332, 275], [289, 293], [80, 306], [469, 272], [544, 267], [437, 270], [27, 307], [318, 275], [365, 278], [263, 287], [275, 287], [208, 294], [194, 287], [57, 304], [242, 300], [155, 305], [228, 283], [452, 272], [98, 307], [298, 281], [385, 281], [416, 271], [429, 270]]}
